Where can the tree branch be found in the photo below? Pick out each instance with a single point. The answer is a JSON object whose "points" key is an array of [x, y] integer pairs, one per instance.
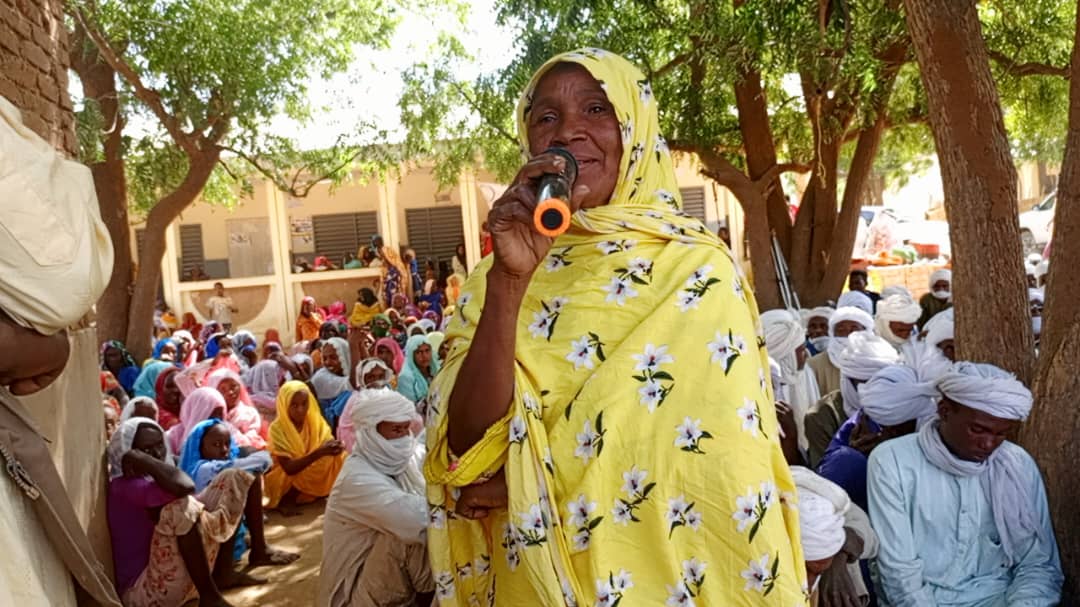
{"points": [[1027, 68], [779, 169], [150, 97], [476, 107], [670, 65]]}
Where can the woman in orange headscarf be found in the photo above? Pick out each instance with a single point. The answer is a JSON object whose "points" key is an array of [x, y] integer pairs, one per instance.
{"points": [[309, 321], [307, 458]]}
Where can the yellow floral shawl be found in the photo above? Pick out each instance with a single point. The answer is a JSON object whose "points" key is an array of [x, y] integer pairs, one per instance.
{"points": [[641, 448]]}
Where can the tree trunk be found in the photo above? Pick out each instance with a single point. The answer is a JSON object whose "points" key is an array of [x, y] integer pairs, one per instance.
{"points": [[979, 179], [110, 184], [759, 146], [1050, 433], [141, 320], [837, 261]]}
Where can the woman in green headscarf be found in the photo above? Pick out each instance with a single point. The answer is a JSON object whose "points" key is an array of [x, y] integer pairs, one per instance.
{"points": [[584, 446]]}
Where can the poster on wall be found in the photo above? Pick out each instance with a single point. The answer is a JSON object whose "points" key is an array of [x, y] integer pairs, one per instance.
{"points": [[302, 234]]}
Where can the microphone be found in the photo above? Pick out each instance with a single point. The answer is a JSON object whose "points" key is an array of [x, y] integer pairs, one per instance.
{"points": [[552, 215]]}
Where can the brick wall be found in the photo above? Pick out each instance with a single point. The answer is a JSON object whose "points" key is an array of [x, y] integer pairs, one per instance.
{"points": [[33, 68]]}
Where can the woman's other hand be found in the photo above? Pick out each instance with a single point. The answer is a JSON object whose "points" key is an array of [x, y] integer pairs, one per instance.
{"points": [[477, 500]]}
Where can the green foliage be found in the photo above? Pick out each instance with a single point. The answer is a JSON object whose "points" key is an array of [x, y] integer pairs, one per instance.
{"points": [[693, 53], [223, 70]]}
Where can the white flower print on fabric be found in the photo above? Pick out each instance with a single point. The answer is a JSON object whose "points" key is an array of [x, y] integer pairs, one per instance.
{"points": [[590, 442], [637, 493], [666, 197], [583, 350], [444, 585], [618, 291], [750, 413], [580, 516], [760, 576], [437, 515], [627, 128], [679, 596], [518, 430], [636, 154], [532, 406], [609, 247], [645, 91], [672, 229], [653, 392], [514, 544], [610, 591], [568, 594], [543, 325], [533, 530], [697, 285], [682, 514], [464, 572], [557, 260], [661, 149], [750, 509], [689, 434], [482, 565], [726, 349], [549, 463], [737, 287]]}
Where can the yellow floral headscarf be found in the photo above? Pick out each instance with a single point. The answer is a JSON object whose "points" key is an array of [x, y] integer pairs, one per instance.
{"points": [[284, 437], [641, 448]]}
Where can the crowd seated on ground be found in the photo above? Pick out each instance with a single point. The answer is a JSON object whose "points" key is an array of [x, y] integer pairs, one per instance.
{"points": [[890, 439]]}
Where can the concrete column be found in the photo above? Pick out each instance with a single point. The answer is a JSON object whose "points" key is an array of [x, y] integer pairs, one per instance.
{"points": [[281, 233], [388, 213], [470, 221], [170, 273]]}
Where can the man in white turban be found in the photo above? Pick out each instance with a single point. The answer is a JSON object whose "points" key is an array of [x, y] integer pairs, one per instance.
{"points": [[374, 532], [816, 323], [863, 355], [960, 511], [891, 401], [856, 299], [836, 535], [939, 298], [843, 322], [895, 322], [1037, 301], [785, 341]]}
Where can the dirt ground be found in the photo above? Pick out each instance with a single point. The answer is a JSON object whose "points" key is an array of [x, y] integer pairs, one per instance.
{"points": [[295, 585]]}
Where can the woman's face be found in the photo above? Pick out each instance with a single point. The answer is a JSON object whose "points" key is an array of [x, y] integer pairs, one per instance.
{"points": [[171, 394], [422, 357], [168, 352], [386, 355], [150, 441], [378, 374], [571, 111], [382, 325], [215, 442], [444, 349], [231, 391], [114, 359], [305, 308], [330, 359], [144, 410], [298, 408]]}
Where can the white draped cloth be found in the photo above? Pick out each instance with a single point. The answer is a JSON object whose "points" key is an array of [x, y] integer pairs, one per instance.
{"points": [[864, 355], [784, 335], [897, 394], [896, 308], [380, 491]]}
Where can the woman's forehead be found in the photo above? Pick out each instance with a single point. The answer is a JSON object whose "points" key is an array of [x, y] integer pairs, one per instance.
{"points": [[562, 78]]}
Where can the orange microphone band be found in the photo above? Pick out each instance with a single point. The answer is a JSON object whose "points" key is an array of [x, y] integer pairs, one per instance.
{"points": [[551, 217]]}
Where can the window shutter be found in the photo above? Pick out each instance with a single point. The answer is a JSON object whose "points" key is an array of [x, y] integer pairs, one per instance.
{"points": [[191, 248], [435, 232], [340, 233], [693, 200]]}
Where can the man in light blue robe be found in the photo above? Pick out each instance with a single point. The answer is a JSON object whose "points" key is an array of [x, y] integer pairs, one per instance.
{"points": [[961, 512]]}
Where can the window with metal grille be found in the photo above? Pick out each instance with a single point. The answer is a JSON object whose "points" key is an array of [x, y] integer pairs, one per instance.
{"points": [[340, 233], [191, 248], [693, 202], [434, 233]]}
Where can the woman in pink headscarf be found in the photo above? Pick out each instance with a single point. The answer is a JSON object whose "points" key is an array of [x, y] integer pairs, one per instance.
{"points": [[388, 350], [240, 411], [199, 406]]}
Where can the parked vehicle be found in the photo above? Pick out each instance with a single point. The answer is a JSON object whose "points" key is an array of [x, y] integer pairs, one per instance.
{"points": [[1037, 225]]}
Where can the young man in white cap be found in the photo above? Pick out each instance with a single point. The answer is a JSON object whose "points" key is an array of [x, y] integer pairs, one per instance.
{"points": [[816, 323], [960, 511]]}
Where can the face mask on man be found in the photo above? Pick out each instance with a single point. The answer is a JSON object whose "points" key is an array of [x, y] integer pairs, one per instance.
{"points": [[821, 343], [942, 295]]}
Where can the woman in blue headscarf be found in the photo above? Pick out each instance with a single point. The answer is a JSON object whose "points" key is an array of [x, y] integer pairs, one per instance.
{"points": [[167, 350], [145, 384], [421, 365]]}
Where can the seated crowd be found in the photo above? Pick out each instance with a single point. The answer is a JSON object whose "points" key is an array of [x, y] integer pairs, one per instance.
{"points": [[909, 493]]}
